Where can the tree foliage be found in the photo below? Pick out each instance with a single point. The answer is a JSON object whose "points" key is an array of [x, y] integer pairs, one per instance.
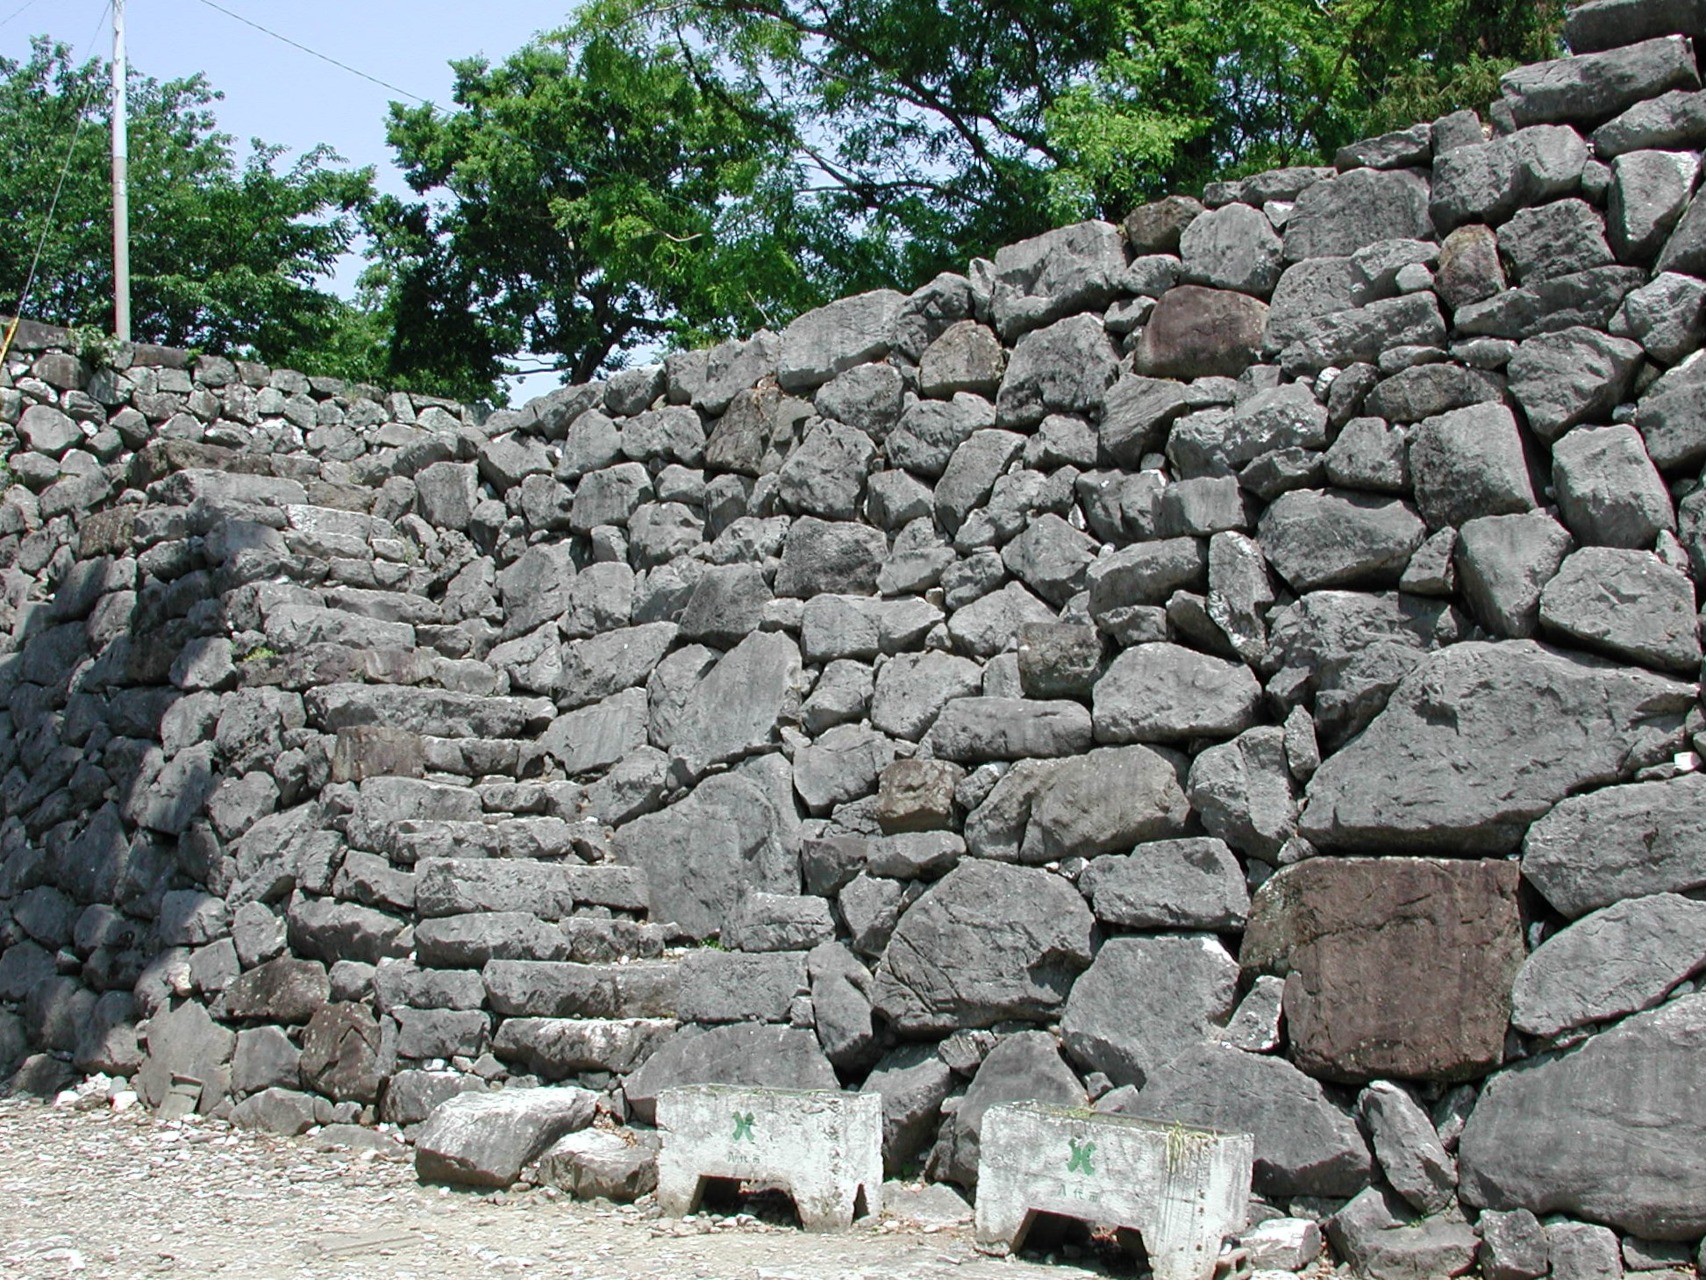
{"points": [[665, 171], [225, 254]]}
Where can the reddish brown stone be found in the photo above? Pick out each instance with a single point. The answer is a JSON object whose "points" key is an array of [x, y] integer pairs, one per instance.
{"points": [[1393, 966], [1195, 332]]}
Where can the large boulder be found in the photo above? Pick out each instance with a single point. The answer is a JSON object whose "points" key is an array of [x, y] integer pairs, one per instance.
{"points": [[1393, 966], [745, 1053], [1482, 739], [1023, 1067], [1165, 692], [1618, 960], [704, 853], [1339, 539], [1144, 1001], [484, 1139], [738, 706], [1306, 1144], [1196, 333], [1619, 842], [1612, 1131], [987, 943]]}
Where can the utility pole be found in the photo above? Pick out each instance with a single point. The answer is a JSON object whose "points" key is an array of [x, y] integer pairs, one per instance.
{"points": [[121, 181]]}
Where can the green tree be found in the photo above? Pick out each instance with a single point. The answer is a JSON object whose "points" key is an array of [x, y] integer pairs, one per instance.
{"points": [[586, 197], [225, 254]]}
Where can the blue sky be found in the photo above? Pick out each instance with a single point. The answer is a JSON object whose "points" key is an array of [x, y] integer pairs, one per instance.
{"points": [[280, 94]]}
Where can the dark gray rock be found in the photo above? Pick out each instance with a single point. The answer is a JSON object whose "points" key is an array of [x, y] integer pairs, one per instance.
{"points": [[561, 1048], [1610, 24], [1513, 1245], [1196, 332], [1671, 417], [972, 730], [1674, 121], [265, 1059], [841, 1006], [1596, 86], [911, 690], [930, 431], [1064, 368], [749, 1054], [1144, 1001], [1551, 240], [1596, 849], [1396, 150], [1050, 557], [1665, 317], [840, 766], [1306, 1145], [1429, 389], [1136, 415], [1024, 1067], [1588, 298], [737, 707], [825, 342], [989, 624], [1527, 726], [1609, 492], [702, 853], [485, 1139], [1363, 333], [1575, 375], [284, 990], [1614, 961], [722, 986], [868, 398], [1058, 660], [913, 1082], [1649, 190], [1067, 270], [1319, 539], [1191, 883], [1146, 573], [1469, 463], [1308, 289], [967, 357], [985, 944], [1103, 800], [1242, 790], [1164, 692], [1233, 247], [285, 1112], [825, 476], [1408, 1149], [1583, 1251], [1504, 563], [1281, 417], [1539, 1134], [836, 556], [726, 605], [1375, 1235], [543, 989], [596, 1164], [1354, 209], [610, 496], [1628, 604]]}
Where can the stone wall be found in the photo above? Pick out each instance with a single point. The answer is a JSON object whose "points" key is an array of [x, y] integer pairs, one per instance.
{"points": [[1237, 667]]}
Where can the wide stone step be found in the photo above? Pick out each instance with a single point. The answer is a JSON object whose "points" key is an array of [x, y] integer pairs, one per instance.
{"points": [[550, 890], [550, 989], [557, 1048], [439, 713], [469, 941]]}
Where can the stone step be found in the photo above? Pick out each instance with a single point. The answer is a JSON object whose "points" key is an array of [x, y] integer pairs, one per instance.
{"points": [[557, 1048], [550, 890], [439, 713], [561, 989], [469, 941]]}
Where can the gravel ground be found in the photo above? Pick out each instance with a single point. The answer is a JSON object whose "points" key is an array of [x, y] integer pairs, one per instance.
{"points": [[89, 1192]]}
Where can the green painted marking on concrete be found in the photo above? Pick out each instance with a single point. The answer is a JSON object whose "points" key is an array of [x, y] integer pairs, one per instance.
{"points": [[1079, 1161], [743, 1127]]}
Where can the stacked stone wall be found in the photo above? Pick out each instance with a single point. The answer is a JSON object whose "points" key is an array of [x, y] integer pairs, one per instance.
{"points": [[1235, 667]]}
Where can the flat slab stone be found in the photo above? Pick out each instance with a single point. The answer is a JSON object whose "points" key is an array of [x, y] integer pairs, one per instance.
{"points": [[1619, 842], [1480, 740], [1183, 1190], [1612, 1131], [484, 1139], [825, 1147]]}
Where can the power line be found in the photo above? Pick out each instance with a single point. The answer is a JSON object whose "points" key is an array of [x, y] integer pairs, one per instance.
{"points": [[313, 53], [19, 12]]}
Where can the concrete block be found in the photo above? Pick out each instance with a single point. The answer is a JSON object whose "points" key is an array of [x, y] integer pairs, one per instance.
{"points": [[1183, 1190], [825, 1147]]}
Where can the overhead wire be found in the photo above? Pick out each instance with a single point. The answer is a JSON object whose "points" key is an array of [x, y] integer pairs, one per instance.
{"points": [[53, 204], [19, 12]]}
